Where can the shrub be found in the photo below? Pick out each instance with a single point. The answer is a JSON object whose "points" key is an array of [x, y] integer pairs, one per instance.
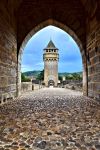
{"points": [[24, 78]]}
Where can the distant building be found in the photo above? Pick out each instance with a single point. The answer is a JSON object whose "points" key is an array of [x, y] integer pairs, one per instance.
{"points": [[32, 78], [63, 78], [51, 58]]}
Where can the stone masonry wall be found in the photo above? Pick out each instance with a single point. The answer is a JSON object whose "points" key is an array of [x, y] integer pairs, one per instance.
{"points": [[11, 23], [8, 55], [93, 58], [26, 86]]}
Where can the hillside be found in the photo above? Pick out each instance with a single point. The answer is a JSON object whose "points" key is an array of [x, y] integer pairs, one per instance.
{"points": [[32, 73], [36, 73]]}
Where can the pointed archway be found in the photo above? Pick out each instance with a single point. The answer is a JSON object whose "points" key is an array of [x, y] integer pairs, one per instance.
{"points": [[71, 33]]}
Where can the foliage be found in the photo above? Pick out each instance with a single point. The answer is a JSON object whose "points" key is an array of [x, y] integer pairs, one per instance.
{"points": [[69, 77], [74, 76], [24, 78], [60, 78], [32, 73], [40, 76]]}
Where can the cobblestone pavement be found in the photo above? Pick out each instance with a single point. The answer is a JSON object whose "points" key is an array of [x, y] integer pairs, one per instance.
{"points": [[50, 119]]}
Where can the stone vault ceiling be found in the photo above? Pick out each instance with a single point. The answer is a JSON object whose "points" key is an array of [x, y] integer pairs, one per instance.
{"points": [[30, 13]]}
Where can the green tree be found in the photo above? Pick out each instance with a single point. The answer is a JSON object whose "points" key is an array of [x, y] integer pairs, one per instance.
{"points": [[77, 76], [74, 76], [69, 77], [41, 75], [24, 78], [60, 78]]}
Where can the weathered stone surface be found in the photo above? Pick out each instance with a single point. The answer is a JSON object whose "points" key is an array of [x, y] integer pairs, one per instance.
{"points": [[23, 18], [50, 58], [40, 120], [8, 54]]}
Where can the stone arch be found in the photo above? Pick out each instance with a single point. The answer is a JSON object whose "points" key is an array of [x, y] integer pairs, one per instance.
{"points": [[51, 83], [56, 24], [64, 28]]}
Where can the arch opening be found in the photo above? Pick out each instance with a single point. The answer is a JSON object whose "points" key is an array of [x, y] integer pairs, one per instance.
{"points": [[67, 30], [51, 83]]}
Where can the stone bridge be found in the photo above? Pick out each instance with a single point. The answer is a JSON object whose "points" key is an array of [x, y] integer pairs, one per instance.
{"points": [[21, 19], [50, 119]]}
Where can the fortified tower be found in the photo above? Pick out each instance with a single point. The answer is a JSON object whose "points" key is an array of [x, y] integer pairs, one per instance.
{"points": [[51, 58]]}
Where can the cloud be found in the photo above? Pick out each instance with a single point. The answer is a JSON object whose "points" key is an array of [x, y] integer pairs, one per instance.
{"points": [[32, 67], [41, 64], [25, 68], [70, 67], [69, 53]]}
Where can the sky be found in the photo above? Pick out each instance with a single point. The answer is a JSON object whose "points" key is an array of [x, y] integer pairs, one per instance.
{"points": [[69, 54]]}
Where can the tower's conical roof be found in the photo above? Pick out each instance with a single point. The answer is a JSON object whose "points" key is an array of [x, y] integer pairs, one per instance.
{"points": [[51, 45]]}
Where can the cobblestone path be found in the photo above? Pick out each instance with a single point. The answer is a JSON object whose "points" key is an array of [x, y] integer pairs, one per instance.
{"points": [[50, 119]]}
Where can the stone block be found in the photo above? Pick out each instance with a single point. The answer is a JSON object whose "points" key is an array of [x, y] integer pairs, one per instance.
{"points": [[97, 68], [11, 80], [92, 53], [95, 59], [94, 78], [90, 93], [3, 81], [97, 87]]}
